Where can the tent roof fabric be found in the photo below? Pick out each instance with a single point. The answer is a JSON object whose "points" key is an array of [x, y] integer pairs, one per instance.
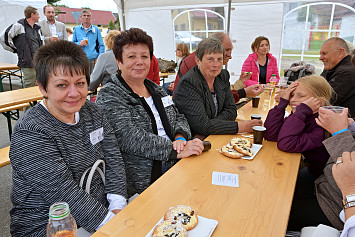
{"points": [[98, 17]]}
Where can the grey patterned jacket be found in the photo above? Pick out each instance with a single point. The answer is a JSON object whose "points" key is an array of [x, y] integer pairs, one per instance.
{"points": [[135, 129]]}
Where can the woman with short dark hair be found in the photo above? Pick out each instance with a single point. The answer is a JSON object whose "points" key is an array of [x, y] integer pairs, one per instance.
{"points": [[203, 95], [151, 133], [56, 141]]}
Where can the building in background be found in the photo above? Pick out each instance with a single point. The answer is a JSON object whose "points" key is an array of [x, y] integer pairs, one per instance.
{"points": [[99, 18]]}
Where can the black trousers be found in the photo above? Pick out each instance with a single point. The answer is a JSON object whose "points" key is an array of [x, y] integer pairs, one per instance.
{"points": [[305, 210]]}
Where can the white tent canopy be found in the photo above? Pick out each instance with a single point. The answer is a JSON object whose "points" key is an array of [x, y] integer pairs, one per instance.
{"points": [[248, 19], [10, 12]]}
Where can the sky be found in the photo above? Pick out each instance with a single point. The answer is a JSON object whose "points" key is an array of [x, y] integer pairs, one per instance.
{"points": [[108, 5]]}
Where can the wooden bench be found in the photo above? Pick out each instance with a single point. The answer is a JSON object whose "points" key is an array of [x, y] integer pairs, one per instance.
{"points": [[12, 112], [4, 156]]}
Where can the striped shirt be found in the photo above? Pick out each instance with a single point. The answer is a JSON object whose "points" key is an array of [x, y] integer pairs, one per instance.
{"points": [[48, 158]]}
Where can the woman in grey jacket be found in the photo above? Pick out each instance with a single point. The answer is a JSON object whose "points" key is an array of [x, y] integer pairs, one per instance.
{"points": [[151, 133]]}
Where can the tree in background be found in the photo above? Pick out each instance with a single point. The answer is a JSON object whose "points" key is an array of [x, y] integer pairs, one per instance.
{"points": [[111, 25], [54, 3]]}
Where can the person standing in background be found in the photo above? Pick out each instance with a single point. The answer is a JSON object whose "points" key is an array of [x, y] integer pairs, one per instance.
{"points": [[89, 38], [51, 29], [69, 34], [24, 38], [153, 73]]}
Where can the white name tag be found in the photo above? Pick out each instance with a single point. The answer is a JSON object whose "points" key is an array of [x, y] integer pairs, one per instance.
{"points": [[60, 34], [167, 101], [97, 136]]}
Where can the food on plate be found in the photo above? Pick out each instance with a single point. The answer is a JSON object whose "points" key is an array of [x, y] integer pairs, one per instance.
{"points": [[183, 214], [229, 151], [240, 141], [169, 228], [243, 149]]}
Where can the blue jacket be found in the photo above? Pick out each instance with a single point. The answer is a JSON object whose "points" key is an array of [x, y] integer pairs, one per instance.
{"points": [[96, 45]]}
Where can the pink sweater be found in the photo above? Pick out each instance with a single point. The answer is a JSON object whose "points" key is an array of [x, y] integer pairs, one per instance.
{"points": [[251, 65]]}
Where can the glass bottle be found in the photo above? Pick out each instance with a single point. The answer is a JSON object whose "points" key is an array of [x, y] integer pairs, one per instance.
{"points": [[273, 80], [61, 223]]}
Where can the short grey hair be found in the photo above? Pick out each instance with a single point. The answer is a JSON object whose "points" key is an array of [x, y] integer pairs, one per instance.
{"points": [[85, 11], [207, 46], [339, 43]]}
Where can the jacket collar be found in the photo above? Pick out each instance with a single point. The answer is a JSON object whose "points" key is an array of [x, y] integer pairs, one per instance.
{"points": [[344, 61]]}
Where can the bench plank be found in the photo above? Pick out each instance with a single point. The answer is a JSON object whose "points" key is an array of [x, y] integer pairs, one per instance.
{"points": [[4, 156]]}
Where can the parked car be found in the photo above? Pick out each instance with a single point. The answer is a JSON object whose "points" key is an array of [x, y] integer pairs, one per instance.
{"points": [[186, 37]]}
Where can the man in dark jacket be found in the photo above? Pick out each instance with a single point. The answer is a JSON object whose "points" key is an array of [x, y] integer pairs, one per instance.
{"points": [[24, 38], [341, 73]]}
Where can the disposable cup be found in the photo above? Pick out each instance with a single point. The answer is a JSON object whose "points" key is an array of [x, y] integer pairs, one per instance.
{"points": [[255, 101], [258, 132], [255, 116], [335, 109]]}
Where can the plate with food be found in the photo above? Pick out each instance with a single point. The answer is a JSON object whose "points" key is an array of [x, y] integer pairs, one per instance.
{"points": [[181, 221], [240, 148]]}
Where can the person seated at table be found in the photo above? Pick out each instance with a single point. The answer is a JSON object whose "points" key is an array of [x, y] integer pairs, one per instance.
{"points": [[150, 131], [203, 95], [344, 175], [299, 131], [321, 202], [56, 141], [105, 64], [260, 63], [182, 51]]}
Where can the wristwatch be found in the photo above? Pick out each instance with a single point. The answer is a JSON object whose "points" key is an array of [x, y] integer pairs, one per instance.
{"points": [[349, 201]]}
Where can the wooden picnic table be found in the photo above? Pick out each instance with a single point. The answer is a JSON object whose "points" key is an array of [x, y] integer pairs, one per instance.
{"points": [[260, 206], [6, 71]]}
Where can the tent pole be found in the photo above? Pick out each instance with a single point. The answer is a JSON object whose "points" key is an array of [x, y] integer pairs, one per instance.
{"points": [[123, 26], [229, 16]]}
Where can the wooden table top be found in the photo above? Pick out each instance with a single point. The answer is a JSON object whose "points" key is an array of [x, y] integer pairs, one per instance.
{"points": [[8, 66], [15, 97], [259, 207]]}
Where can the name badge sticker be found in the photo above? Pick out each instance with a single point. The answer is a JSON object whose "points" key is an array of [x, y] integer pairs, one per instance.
{"points": [[97, 136], [167, 101]]}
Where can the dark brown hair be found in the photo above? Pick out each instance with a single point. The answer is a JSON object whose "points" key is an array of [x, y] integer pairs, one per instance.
{"points": [[353, 57], [29, 10], [48, 5], [132, 36], [257, 42], [60, 56]]}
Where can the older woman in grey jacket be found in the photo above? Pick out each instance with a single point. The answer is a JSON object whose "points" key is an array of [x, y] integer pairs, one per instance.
{"points": [[151, 133]]}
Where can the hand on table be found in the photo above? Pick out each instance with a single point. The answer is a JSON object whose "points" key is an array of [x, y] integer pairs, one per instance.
{"points": [[253, 90], [313, 103], [178, 145], [331, 121], [247, 126], [344, 173], [245, 76], [192, 147], [289, 90]]}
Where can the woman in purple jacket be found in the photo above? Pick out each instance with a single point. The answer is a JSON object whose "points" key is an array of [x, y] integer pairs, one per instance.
{"points": [[299, 132], [260, 63]]}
